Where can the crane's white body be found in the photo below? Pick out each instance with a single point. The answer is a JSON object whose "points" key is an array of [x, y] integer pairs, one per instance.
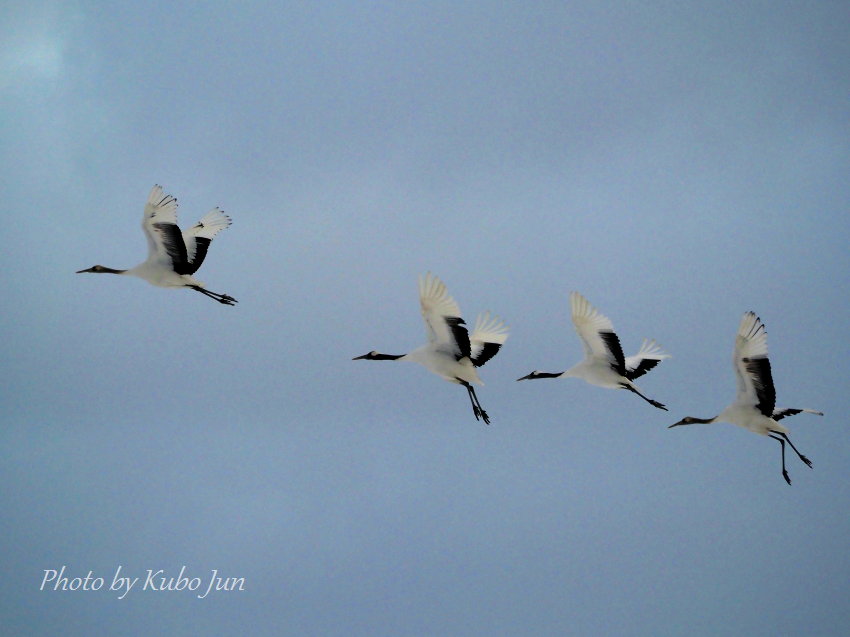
{"points": [[597, 370], [155, 274], [444, 365], [744, 415]]}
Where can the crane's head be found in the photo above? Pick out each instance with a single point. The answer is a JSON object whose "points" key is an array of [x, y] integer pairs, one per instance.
{"points": [[537, 374], [99, 269], [690, 420], [377, 356]]}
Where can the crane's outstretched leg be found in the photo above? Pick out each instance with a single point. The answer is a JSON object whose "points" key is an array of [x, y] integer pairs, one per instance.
{"points": [[801, 456], [654, 403], [784, 472], [477, 409], [221, 298]]}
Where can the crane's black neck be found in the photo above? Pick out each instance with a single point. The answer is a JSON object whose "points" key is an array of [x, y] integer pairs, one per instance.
{"points": [[102, 269], [691, 420], [376, 356]]}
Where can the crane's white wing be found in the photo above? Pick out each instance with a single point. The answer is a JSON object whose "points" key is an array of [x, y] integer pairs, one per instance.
{"points": [[165, 243], [648, 356], [487, 338], [444, 326], [752, 367], [596, 332], [198, 238]]}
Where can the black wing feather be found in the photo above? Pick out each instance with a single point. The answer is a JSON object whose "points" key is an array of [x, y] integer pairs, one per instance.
{"points": [[644, 366], [759, 371], [460, 335], [202, 244], [779, 414], [172, 239], [488, 351], [613, 344]]}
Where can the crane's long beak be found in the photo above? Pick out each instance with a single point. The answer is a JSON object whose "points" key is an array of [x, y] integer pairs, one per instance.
{"points": [[86, 270], [676, 424], [357, 358], [531, 375]]}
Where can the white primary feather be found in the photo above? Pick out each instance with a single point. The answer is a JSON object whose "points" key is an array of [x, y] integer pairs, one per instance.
{"points": [[750, 342], [649, 350], [488, 330], [210, 225], [588, 322], [160, 208], [436, 306]]}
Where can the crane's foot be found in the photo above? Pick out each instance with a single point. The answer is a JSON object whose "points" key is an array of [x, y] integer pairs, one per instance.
{"points": [[655, 403], [806, 460], [224, 299], [480, 414], [785, 475]]}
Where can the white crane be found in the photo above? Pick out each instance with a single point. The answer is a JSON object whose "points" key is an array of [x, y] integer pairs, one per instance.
{"points": [[604, 364], [174, 257], [451, 352], [755, 405]]}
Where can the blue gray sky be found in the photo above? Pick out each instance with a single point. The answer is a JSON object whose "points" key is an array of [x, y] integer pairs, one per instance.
{"points": [[678, 163]]}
